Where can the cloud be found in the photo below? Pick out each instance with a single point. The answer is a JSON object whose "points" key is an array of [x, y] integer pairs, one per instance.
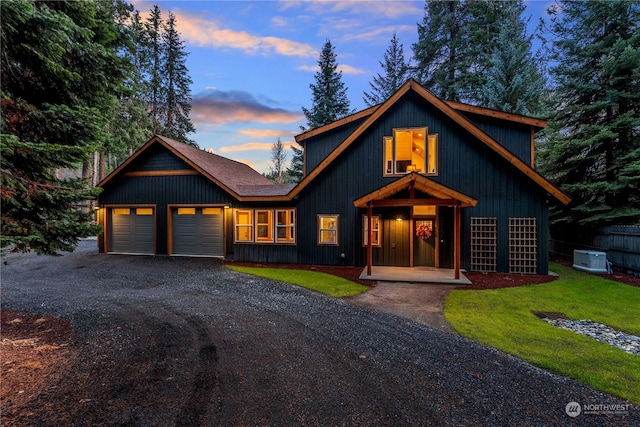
{"points": [[387, 32], [254, 146], [266, 133], [196, 30], [346, 69], [214, 106], [388, 9]]}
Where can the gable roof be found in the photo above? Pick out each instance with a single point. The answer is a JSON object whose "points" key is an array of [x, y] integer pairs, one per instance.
{"points": [[237, 179], [420, 183], [445, 108]]}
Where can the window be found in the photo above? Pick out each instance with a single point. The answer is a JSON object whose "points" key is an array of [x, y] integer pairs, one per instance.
{"points": [[410, 150], [328, 229], [144, 211], [258, 225], [121, 211], [186, 211], [375, 230], [211, 211], [244, 226], [264, 226], [424, 211], [285, 226]]}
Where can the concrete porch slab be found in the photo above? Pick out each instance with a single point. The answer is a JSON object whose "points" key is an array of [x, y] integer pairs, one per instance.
{"points": [[414, 275]]}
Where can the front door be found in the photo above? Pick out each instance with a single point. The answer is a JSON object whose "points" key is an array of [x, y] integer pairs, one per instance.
{"points": [[424, 241], [445, 234]]}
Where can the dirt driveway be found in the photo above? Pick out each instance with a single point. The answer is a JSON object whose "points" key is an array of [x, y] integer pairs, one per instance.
{"points": [[160, 341]]}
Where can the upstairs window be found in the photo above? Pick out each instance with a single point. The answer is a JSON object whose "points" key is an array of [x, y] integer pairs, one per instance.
{"points": [[410, 150]]}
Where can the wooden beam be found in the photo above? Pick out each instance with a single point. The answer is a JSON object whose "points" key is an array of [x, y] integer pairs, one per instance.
{"points": [[456, 241], [497, 114], [414, 202], [411, 231], [174, 172], [369, 249]]}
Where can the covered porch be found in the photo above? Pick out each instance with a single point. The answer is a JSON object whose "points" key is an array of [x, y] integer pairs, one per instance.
{"points": [[414, 275], [403, 192]]}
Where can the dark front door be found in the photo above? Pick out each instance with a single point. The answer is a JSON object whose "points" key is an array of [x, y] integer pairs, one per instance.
{"points": [[395, 243], [424, 241], [445, 233]]}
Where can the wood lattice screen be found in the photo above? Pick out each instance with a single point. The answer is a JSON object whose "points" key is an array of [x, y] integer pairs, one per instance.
{"points": [[484, 245], [523, 246]]}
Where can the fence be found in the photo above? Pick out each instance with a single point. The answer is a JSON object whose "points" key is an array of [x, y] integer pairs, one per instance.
{"points": [[620, 242]]}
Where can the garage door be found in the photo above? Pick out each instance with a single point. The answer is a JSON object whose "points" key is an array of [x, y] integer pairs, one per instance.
{"points": [[197, 231], [132, 231]]}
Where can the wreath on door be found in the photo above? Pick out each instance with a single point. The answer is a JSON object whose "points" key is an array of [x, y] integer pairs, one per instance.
{"points": [[424, 231]]}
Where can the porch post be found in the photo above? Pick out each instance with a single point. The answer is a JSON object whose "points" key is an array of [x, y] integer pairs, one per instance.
{"points": [[456, 240], [369, 251]]}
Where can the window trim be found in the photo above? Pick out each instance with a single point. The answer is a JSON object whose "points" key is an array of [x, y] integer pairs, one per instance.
{"points": [[236, 226], [365, 234], [389, 165], [269, 224], [291, 226], [272, 225], [336, 229]]}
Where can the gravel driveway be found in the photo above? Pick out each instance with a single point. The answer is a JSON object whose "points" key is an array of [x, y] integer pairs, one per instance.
{"points": [[183, 341]]}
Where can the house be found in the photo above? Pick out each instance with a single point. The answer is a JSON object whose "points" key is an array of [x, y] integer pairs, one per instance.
{"points": [[414, 181]]}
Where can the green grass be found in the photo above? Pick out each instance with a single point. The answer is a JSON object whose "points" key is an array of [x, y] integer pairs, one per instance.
{"points": [[320, 282], [504, 319]]}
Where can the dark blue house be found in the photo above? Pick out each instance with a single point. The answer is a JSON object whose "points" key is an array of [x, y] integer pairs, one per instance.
{"points": [[414, 181]]}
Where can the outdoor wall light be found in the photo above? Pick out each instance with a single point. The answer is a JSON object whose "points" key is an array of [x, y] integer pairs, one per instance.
{"points": [[399, 219]]}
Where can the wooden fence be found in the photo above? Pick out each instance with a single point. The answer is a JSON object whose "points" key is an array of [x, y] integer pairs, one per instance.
{"points": [[620, 242]]}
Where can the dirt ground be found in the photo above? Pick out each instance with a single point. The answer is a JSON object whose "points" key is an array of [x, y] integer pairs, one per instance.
{"points": [[35, 351]]}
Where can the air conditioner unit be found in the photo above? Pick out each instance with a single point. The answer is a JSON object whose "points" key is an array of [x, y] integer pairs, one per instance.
{"points": [[590, 261]]}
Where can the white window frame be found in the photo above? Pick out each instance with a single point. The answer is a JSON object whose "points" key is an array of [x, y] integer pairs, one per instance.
{"points": [[334, 229], [375, 230]]}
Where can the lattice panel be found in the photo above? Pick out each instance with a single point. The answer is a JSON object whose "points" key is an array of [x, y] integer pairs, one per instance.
{"points": [[523, 245], [484, 244]]}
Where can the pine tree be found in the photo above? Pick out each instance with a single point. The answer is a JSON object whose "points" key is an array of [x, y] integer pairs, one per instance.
{"points": [[455, 41], [396, 72], [330, 101], [439, 48], [593, 146], [296, 170], [152, 57], [60, 67], [514, 83], [176, 85]]}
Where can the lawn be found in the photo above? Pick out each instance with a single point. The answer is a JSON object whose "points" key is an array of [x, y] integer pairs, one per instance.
{"points": [[320, 282], [505, 319]]}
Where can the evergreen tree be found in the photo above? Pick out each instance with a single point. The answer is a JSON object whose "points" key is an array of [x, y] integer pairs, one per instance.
{"points": [[296, 170], [593, 146], [278, 159], [455, 41], [330, 101], [396, 72], [439, 48], [152, 66], [514, 83], [59, 66], [176, 85]]}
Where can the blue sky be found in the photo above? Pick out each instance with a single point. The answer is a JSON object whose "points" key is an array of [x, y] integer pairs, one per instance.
{"points": [[251, 62]]}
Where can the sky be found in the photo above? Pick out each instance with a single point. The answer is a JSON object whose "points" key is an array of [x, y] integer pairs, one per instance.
{"points": [[252, 62]]}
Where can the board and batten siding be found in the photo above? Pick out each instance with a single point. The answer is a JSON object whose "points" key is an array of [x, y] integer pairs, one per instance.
{"points": [[464, 164], [162, 191]]}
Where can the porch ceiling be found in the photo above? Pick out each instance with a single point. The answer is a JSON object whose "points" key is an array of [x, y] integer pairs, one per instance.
{"points": [[420, 183]]}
